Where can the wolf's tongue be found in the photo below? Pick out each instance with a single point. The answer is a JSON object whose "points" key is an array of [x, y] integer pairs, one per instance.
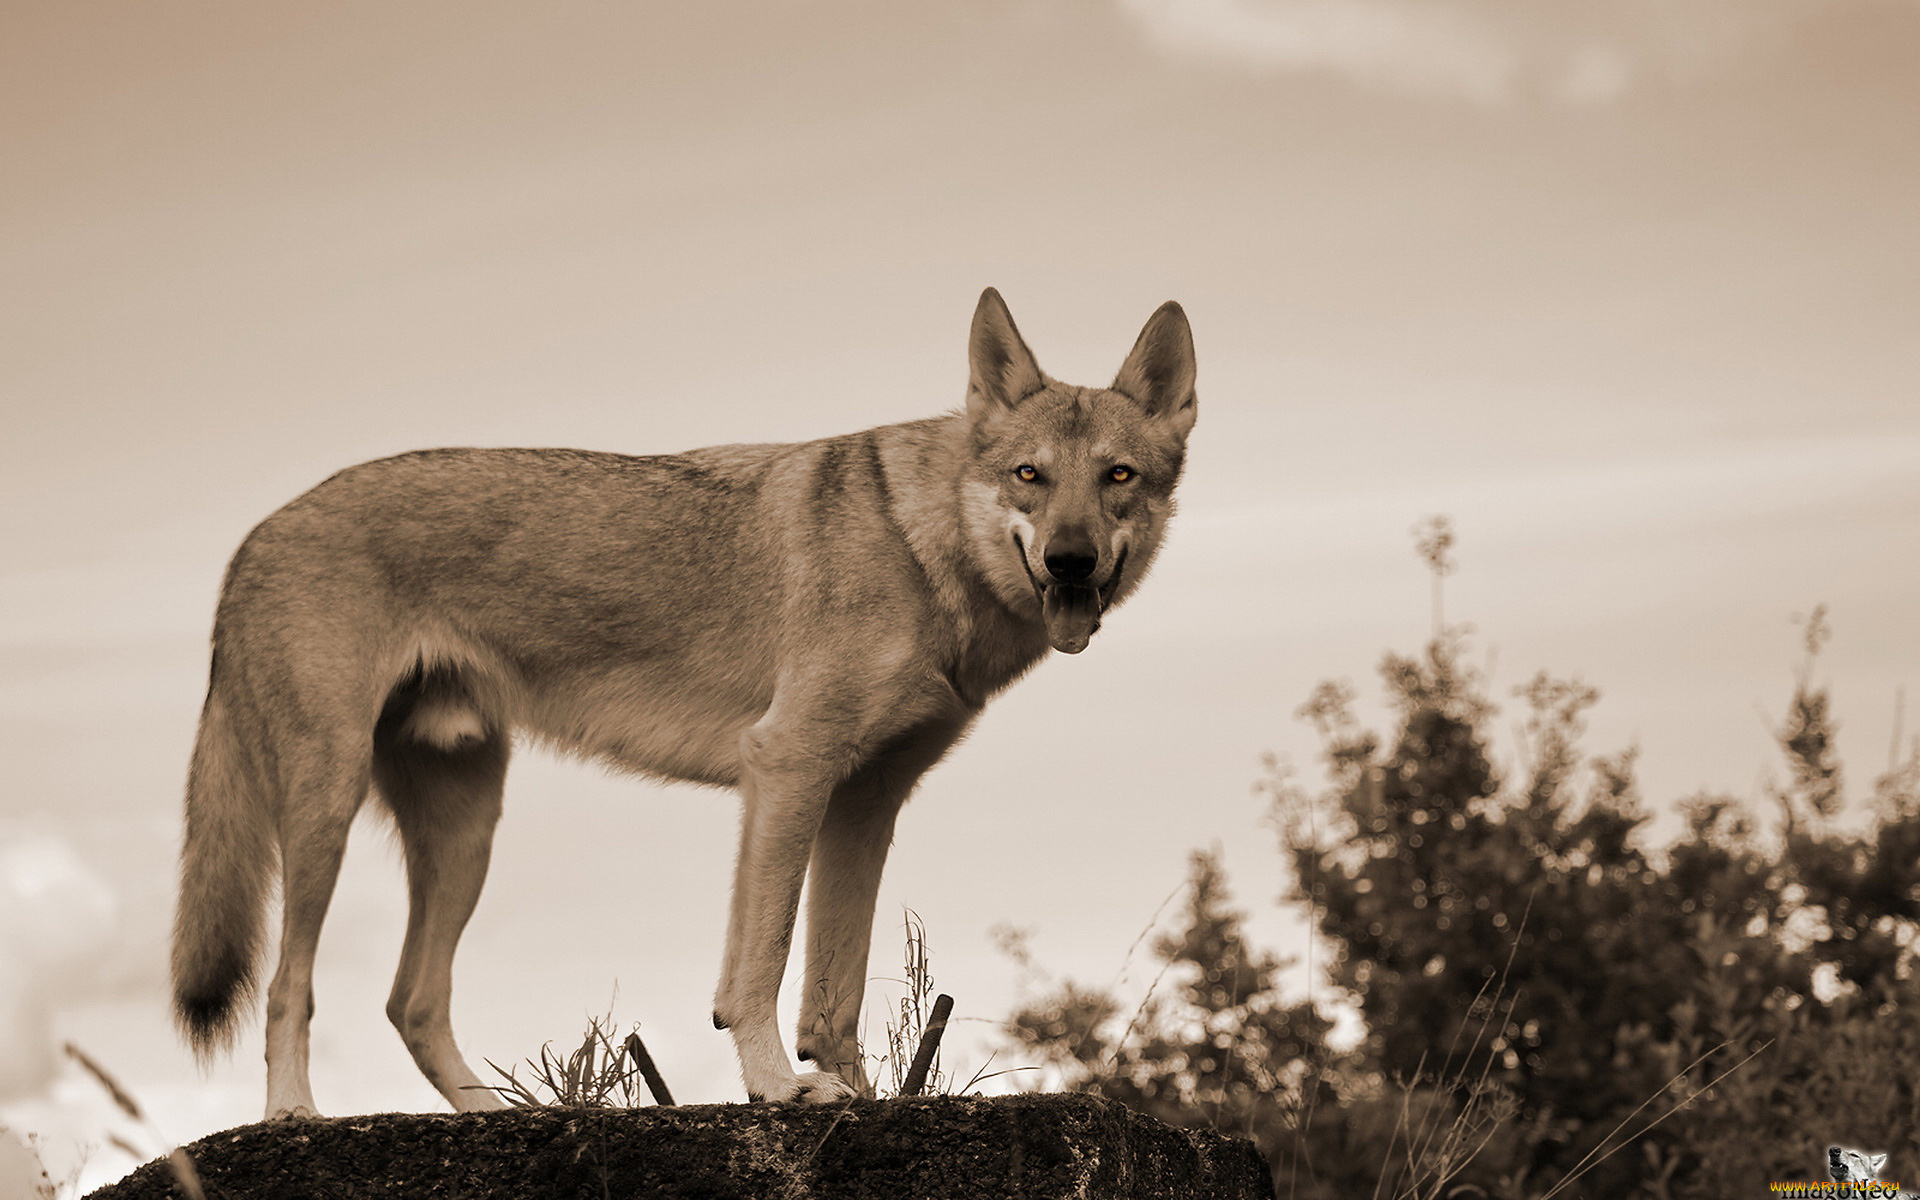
{"points": [[1072, 613]]}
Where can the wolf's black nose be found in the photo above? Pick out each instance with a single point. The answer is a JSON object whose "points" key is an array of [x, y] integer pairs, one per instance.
{"points": [[1070, 567]]}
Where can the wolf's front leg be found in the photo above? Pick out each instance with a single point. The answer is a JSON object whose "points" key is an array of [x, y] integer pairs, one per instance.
{"points": [[843, 879], [785, 788], [849, 853]]}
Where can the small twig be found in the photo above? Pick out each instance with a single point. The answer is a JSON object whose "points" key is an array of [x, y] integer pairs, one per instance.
{"points": [[637, 1051], [929, 1046], [832, 1125]]}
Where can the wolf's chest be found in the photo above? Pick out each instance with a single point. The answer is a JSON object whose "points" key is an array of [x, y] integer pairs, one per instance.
{"points": [[993, 656]]}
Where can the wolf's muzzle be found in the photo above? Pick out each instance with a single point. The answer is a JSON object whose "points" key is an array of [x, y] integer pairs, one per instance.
{"points": [[1070, 601]]}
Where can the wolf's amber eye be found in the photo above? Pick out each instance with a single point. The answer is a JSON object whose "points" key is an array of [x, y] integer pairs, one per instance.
{"points": [[1026, 473], [1120, 474]]}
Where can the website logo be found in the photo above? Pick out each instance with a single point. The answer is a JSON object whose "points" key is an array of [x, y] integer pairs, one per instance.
{"points": [[1855, 1175]]}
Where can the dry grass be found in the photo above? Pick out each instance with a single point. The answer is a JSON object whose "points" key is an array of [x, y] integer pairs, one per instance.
{"points": [[185, 1176], [906, 1029], [599, 1074], [602, 1072]]}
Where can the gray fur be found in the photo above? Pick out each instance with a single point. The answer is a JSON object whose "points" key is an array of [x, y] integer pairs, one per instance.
{"points": [[814, 624]]}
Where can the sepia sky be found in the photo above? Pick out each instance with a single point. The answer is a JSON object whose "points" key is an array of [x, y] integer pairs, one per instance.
{"points": [[1628, 288]]}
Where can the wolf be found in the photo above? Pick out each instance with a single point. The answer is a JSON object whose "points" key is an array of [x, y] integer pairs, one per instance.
{"points": [[1854, 1166], [813, 624], [1860, 1168]]}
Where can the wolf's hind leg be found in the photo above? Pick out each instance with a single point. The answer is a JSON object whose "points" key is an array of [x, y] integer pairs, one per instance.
{"points": [[446, 803], [326, 782]]}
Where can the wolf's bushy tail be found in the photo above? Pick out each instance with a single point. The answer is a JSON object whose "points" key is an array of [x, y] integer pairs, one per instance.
{"points": [[226, 867]]}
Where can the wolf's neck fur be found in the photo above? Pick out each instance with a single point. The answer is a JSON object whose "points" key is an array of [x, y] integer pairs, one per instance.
{"points": [[991, 645]]}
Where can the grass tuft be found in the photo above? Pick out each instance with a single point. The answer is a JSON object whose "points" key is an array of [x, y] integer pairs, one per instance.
{"points": [[601, 1073], [908, 1028]]}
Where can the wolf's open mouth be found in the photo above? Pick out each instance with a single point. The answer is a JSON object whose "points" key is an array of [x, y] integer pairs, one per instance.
{"points": [[1071, 611]]}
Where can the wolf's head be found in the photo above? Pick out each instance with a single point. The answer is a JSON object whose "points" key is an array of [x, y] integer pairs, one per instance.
{"points": [[1070, 488], [1854, 1166]]}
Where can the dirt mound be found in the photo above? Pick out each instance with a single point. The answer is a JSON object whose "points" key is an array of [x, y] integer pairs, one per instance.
{"points": [[1034, 1147]]}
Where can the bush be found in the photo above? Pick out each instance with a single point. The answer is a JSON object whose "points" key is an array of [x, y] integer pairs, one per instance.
{"points": [[1546, 1001]]}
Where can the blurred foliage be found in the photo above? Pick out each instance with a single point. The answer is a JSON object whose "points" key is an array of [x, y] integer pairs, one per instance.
{"points": [[1547, 1005]]}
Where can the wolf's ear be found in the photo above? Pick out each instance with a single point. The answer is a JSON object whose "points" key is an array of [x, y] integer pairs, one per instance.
{"points": [[1159, 372], [1000, 369], [1875, 1162]]}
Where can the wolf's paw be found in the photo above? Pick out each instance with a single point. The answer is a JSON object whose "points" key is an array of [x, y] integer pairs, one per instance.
{"points": [[812, 1087], [823, 1087], [287, 1114], [842, 1059]]}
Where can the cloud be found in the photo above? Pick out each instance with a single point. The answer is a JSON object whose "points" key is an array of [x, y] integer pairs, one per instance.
{"points": [[1417, 46], [57, 917], [1475, 50], [1641, 496]]}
